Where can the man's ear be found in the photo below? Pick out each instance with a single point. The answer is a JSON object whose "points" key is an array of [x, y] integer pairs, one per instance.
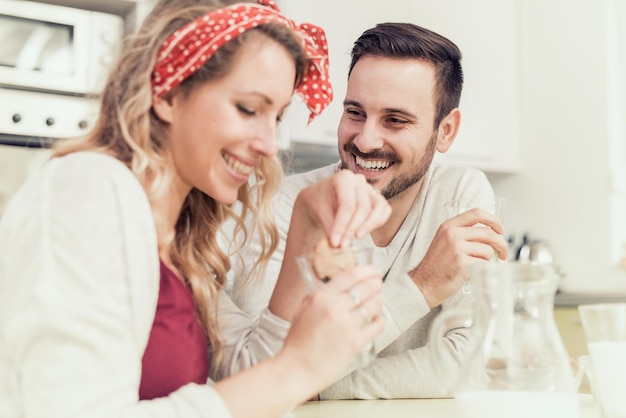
{"points": [[163, 107], [448, 128]]}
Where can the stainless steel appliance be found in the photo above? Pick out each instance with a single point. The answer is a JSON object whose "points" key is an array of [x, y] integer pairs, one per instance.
{"points": [[303, 156]]}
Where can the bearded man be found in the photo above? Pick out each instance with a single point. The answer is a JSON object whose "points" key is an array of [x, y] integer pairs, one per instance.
{"points": [[401, 106]]}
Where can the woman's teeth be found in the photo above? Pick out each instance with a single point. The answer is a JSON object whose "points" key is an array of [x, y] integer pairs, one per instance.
{"points": [[372, 165], [238, 166]]}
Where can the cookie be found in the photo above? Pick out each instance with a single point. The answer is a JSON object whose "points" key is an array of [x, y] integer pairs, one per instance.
{"points": [[328, 260]]}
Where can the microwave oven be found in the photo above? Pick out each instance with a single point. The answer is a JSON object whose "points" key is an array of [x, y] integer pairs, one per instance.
{"points": [[53, 48]]}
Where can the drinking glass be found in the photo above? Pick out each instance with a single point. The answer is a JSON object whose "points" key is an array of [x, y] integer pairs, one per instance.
{"points": [[604, 325], [364, 255], [583, 375], [493, 205]]}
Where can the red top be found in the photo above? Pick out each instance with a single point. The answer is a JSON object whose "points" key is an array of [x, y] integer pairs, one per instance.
{"points": [[177, 350]]}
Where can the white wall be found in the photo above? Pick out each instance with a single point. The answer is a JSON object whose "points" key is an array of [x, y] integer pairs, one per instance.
{"points": [[562, 193]]}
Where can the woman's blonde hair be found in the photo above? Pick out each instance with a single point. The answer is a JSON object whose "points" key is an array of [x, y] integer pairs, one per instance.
{"points": [[128, 129]]}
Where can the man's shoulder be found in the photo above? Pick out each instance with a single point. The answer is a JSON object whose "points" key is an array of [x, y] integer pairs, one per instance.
{"points": [[456, 172], [292, 184], [448, 182]]}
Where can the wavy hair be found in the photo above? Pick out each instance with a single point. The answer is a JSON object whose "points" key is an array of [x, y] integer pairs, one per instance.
{"points": [[129, 130]]}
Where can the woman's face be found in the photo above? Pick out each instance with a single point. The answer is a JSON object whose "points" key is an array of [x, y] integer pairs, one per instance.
{"points": [[225, 127]]}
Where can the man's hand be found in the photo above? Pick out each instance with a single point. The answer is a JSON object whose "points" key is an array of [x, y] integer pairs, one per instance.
{"points": [[472, 237]]}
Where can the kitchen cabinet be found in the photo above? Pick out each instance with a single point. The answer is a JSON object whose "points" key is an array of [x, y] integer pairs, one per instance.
{"points": [[570, 326], [571, 330], [573, 336], [484, 30], [486, 33], [343, 21], [568, 319]]}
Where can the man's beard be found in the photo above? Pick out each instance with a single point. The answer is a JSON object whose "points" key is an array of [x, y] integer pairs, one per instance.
{"points": [[402, 182]]}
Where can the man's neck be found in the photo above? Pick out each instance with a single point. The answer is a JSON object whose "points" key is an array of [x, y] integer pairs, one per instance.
{"points": [[401, 205]]}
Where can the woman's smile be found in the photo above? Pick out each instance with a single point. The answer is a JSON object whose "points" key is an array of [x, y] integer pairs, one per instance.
{"points": [[237, 165]]}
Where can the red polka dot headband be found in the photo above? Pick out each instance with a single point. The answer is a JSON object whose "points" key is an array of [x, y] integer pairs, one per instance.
{"points": [[190, 47]]}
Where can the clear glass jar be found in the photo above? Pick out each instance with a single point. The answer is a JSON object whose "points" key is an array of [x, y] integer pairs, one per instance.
{"points": [[514, 363]]}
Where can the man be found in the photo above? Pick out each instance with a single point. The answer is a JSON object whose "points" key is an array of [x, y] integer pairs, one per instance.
{"points": [[401, 106]]}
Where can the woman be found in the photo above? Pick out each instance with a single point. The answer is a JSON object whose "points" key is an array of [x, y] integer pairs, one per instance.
{"points": [[111, 274]]}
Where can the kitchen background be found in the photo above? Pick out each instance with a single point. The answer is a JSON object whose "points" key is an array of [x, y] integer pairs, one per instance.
{"points": [[543, 114]]}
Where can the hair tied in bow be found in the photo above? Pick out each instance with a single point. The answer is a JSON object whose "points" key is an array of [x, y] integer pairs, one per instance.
{"points": [[190, 47]]}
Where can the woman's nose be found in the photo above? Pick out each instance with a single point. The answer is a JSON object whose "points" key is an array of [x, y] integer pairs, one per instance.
{"points": [[266, 140]]}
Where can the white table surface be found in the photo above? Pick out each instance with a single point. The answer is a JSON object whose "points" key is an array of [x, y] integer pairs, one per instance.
{"points": [[402, 408]]}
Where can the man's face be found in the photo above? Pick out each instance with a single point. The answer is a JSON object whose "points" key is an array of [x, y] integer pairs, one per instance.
{"points": [[386, 131]]}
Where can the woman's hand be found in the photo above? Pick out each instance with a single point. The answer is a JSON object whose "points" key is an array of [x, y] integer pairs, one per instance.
{"points": [[331, 326], [343, 206]]}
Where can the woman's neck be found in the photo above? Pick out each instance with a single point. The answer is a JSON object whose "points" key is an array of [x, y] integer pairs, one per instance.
{"points": [[166, 208]]}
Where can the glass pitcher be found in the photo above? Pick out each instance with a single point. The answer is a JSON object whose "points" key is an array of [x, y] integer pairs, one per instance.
{"points": [[514, 363]]}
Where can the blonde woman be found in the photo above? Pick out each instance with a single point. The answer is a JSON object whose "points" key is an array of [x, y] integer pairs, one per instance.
{"points": [[111, 274]]}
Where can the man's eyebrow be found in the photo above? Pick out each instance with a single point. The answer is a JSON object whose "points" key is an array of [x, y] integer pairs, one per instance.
{"points": [[352, 103], [399, 111]]}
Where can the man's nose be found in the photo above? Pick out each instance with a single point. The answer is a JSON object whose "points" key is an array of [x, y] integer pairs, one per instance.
{"points": [[370, 137]]}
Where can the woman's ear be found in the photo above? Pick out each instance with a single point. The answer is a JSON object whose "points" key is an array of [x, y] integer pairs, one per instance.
{"points": [[163, 107], [448, 128]]}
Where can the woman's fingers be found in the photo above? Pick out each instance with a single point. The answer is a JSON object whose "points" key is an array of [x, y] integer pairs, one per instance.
{"points": [[360, 208], [344, 205], [365, 294], [381, 210], [340, 318], [357, 297]]}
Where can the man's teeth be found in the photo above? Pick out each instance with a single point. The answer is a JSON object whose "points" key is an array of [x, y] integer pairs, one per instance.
{"points": [[238, 166], [372, 165]]}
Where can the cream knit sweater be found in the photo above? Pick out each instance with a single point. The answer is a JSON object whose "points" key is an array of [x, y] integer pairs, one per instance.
{"points": [[404, 368], [79, 278]]}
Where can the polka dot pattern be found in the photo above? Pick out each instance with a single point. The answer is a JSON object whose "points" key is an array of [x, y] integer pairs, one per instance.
{"points": [[190, 47]]}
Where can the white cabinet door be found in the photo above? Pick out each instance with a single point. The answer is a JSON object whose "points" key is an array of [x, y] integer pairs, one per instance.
{"points": [[485, 31], [343, 21]]}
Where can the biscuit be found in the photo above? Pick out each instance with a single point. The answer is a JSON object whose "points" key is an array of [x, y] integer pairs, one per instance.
{"points": [[329, 261]]}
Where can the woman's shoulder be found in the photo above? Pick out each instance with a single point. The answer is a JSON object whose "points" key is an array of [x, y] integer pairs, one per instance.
{"points": [[82, 182], [92, 173], [88, 165]]}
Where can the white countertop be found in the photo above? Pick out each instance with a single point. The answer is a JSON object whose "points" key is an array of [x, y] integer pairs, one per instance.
{"points": [[402, 408], [575, 299]]}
